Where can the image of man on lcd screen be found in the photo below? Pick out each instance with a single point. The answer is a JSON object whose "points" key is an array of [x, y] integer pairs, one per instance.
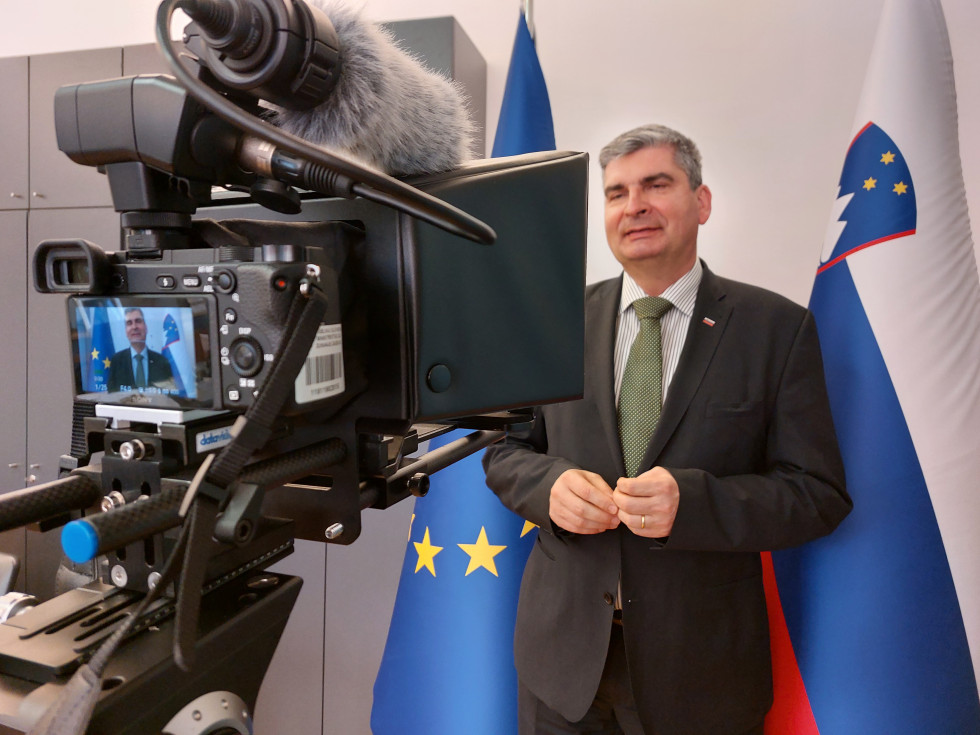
{"points": [[137, 367]]}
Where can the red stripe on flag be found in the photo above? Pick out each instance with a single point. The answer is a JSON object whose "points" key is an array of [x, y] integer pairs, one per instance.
{"points": [[850, 252], [790, 713]]}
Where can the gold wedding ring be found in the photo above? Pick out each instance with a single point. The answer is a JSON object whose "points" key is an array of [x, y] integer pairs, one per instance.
{"points": [[643, 521]]}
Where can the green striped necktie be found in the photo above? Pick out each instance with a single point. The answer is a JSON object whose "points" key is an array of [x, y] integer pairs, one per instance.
{"points": [[641, 392]]}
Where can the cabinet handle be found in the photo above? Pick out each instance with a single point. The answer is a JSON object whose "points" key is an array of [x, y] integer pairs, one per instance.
{"points": [[13, 465], [15, 195], [37, 194], [35, 466]]}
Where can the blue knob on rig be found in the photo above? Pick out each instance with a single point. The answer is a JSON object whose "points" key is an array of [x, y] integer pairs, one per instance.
{"points": [[80, 541]]}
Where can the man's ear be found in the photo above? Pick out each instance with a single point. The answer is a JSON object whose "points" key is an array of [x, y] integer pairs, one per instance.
{"points": [[704, 203]]}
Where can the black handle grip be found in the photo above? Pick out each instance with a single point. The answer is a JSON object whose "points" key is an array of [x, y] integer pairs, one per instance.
{"points": [[33, 504]]}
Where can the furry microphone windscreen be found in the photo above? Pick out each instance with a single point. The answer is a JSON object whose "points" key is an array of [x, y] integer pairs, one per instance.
{"points": [[387, 110]]}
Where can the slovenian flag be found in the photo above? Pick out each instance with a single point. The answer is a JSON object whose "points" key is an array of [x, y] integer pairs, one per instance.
{"points": [[873, 626], [448, 664], [176, 354]]}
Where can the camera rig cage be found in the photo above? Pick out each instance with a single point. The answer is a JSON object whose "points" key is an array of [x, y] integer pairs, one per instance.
{"points": [[336, 319]]}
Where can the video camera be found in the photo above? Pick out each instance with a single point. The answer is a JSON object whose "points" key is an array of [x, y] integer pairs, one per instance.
{"points": [[305, 329]]}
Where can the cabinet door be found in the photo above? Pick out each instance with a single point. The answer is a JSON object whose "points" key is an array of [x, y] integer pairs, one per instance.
{"points": [[13, 338], [143, 58], [13, 133], [13, 349], [56, 181]]}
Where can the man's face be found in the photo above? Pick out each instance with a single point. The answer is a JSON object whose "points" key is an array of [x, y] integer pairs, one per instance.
{"points": [[652, 214], [135, 328]]}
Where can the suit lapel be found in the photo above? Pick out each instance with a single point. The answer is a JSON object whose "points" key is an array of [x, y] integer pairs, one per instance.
{"points": [[708, 323], [600, 344]]}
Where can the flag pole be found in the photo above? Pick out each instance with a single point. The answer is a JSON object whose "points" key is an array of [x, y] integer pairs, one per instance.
{"points": [[529, 15]]}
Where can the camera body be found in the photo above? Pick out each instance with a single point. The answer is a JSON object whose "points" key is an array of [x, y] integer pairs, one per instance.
{"points": [[211, 321]]}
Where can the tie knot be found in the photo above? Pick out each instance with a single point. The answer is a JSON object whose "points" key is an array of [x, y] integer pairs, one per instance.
{"points": [[651, 307]]}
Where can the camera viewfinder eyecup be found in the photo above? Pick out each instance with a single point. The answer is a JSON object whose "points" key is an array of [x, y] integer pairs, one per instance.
{"points": [[71, 266]]}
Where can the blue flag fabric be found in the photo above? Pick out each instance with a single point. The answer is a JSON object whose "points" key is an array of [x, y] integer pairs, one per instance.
{"points": [[100, 353], [883, 613], [448, 665], [525, 124]]}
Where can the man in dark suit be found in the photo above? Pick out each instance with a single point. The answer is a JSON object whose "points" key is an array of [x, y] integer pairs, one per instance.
{"points": [[137, 366], [642, 608]]}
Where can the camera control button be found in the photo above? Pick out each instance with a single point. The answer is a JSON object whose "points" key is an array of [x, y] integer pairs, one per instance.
{"points": [[231, 316], [234, 395], [223, 281], [191, 281], [246, 357], [167, 283]]}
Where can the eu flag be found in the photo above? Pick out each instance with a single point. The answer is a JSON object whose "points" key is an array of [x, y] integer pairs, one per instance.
{"points": [[874, 625], [101, 352], [448, 665]]}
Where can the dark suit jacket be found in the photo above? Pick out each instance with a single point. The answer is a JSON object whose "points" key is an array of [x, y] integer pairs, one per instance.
{"points": [[747, 433], [121, 370]]}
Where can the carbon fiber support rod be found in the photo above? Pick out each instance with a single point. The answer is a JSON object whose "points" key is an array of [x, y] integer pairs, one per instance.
{"points": [[84, 539], [442, 457], [34, 504]]}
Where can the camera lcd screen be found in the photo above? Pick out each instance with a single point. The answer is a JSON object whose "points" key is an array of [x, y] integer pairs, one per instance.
{"points": [[152, 351]]}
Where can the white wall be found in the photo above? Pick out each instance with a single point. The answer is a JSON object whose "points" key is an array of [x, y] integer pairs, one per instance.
{"points": [[768, 88]]}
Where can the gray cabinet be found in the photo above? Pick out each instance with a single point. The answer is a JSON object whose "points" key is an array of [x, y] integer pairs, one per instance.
{"points": [[144, 58], [42, 195], [443, 46]]}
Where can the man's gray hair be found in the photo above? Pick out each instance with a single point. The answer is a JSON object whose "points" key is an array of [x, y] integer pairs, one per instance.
{"points": [[686, 154]]}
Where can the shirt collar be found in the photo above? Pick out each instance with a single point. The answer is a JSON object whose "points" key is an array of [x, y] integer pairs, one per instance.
{"points": [[682, 293]]}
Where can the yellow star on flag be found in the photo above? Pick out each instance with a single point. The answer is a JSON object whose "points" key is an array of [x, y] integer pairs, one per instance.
{"points": [[107, 362], [427, 553], [527, 528], [95, 354], [481, 554], [900, 188], [869, 183], [887, 158]]}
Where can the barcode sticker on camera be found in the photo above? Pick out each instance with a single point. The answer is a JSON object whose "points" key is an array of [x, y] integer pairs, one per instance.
{"points": [[323, 374]]}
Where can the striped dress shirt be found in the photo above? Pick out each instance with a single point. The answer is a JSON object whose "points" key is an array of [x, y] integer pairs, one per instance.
{"points": [[673, 325]]}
